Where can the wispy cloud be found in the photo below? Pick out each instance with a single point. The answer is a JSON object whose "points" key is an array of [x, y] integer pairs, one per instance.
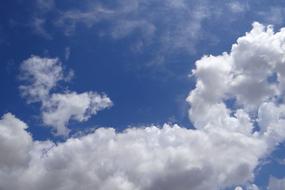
{"points": [[170, 26]]}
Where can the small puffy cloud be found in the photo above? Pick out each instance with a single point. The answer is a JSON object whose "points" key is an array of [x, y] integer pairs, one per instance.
{"points": [[40, 76], [60, 108], [276, 184]]}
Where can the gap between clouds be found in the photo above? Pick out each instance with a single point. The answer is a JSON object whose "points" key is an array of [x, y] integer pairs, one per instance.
{"points": [[224, 150]]}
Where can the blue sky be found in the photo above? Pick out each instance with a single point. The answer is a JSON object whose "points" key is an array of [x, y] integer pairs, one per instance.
{"points": [[140, 55]]}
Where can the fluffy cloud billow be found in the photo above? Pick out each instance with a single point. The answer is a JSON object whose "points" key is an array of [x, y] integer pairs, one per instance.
{"points": [[149, 158], [251, 77], [236, 107]]}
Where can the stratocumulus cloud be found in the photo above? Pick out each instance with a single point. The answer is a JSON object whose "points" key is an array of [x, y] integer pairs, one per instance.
{"points": [[223, 151]]}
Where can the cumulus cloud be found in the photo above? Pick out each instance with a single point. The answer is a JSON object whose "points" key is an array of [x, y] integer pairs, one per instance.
{"points": [[223, 151], [244, 76], [243, 90], [15, 142], [148, 158], [60, 108], [41, 76]]}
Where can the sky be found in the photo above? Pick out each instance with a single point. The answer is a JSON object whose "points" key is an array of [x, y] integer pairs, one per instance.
{"points": [[142, 95]]}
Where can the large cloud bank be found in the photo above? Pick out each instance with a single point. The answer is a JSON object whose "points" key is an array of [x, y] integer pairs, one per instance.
{"points": [[148, 158], [237, 109]]}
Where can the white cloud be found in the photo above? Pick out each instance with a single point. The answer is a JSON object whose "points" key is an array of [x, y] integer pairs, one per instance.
{"points": [[60, 108], [41, 75], [14, 143], [242, 75], [276, 184], [148, 158]]}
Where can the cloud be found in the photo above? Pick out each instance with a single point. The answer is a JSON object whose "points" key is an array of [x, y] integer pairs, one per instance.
{"points": [[15, 142], [150, 20], [147, 158], [243, 77], [168, 26], [41, 76], [243, 90], [223, 151], [60, 108], [276, 184]]}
